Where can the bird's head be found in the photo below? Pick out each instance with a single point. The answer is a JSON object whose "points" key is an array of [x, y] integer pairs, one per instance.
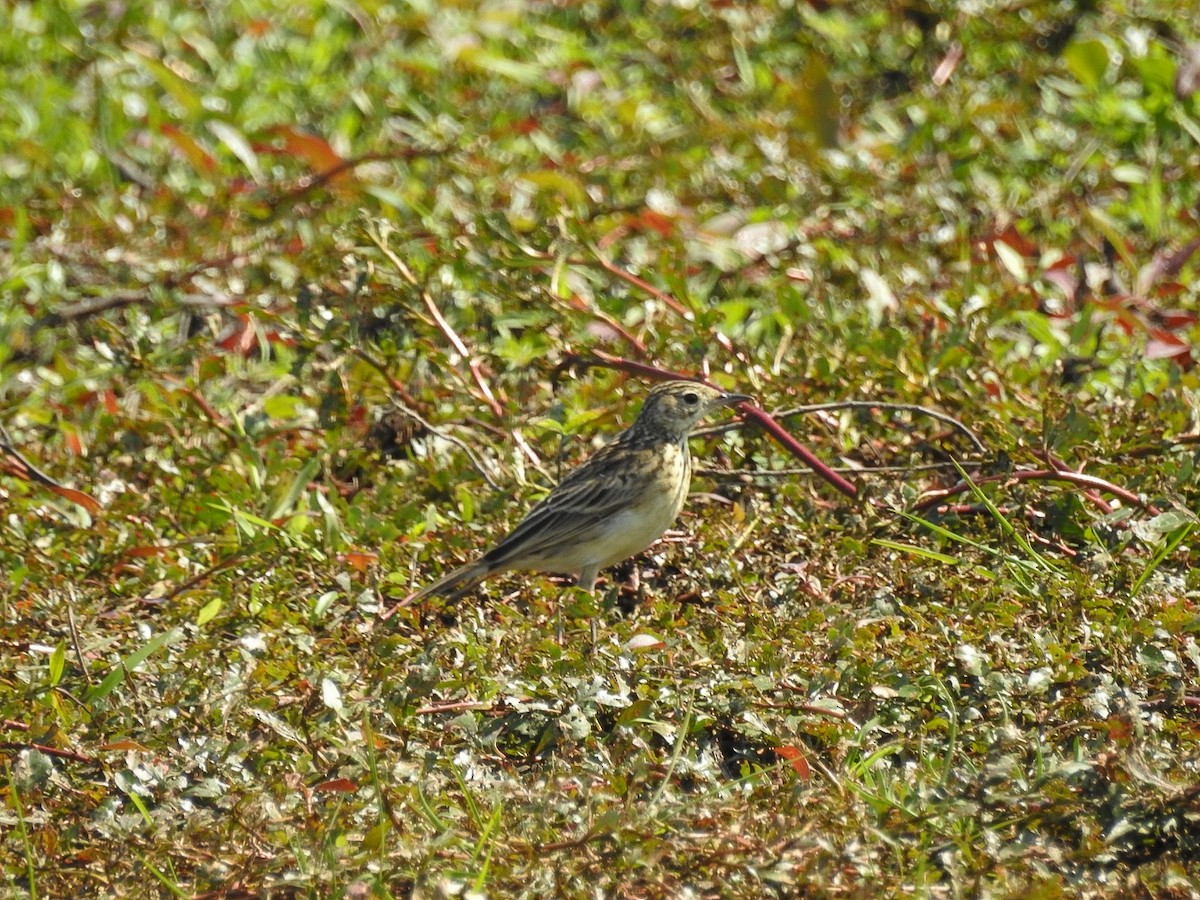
{"points": [[672, 409]]}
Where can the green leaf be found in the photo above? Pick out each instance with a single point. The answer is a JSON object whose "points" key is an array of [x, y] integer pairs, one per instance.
{"points": [[282, 406], [117, 676], [58, 661], [922, 552], [208, 612], [1088, 62], [299, 483]]}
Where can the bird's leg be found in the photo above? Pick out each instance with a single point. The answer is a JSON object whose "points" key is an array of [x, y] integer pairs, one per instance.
{"points": [[587, 578], [585, 601], [558, 616]]}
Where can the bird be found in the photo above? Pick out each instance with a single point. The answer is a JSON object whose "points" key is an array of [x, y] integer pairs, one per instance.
{"points": [[612, 506]]}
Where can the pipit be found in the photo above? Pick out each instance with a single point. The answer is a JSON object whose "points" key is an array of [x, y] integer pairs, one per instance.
{"points": [[617, 502]]}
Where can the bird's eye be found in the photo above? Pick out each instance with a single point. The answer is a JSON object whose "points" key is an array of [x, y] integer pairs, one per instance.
{"points": [[691, 398]]}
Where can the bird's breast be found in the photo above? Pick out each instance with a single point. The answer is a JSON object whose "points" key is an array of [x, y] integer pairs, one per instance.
{"points": [[654, 510]]}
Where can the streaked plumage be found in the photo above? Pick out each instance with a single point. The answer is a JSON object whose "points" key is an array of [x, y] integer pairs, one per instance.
{"points": [[613, 505]]}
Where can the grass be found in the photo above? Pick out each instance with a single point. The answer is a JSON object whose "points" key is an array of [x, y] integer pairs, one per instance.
{"points": [[305, 306]]}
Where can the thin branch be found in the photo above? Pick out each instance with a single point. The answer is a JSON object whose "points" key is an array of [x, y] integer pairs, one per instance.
{"points": [[897, 407], [598, 359], [661, 296], [1164, 445], [598, 258], [80, 658], [578, 303], [456, 706], [805, 470], [444, 326], [933, 498], [94, 306], [49, 751], [22, 468], [789, 443], [445, 436], [228, 562], [1059, 466], [394, 383]]}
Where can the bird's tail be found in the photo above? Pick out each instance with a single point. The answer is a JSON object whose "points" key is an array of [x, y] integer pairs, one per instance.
{"points": [[453, 585]]}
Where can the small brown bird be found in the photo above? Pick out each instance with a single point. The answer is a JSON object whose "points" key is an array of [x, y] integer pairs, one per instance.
{"points": [[617, 502]]}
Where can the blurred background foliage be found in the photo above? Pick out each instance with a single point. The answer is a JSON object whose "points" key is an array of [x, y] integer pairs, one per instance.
{"points": [[284, 287]]}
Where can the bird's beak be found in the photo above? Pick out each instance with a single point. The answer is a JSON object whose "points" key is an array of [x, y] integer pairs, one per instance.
{"points": [[734, 399]]}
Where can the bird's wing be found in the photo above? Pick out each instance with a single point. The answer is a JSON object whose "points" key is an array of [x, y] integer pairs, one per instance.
{"points": [[571, 513]]}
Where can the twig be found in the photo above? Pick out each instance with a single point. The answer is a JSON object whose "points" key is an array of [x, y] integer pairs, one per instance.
{"points": [[1164, 445], [393, 382], [805, 470], [789, 443], [87, 676], [1059, 466], [23, 468], [556, 846], [896, 407], [808, 708], [336, 171], [49, 751], [456, 441], [932, 498], [598, 359], [94, 306], [660, 295], [598, 258], [457, 706], [609, 322], [436, 314], [217, 420], [229, 561]]}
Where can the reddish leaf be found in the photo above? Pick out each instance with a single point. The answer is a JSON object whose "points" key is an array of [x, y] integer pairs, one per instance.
{"points": [[1175, 319], [1065, 275], [143, 551], [1017, 241], [358, 560], [189, 149], [335, 786], [1167, 345], [125, 744], [14, 464], [77, 497], [312, 148], [1118, 728], [71, 439], [649, 220], [1166, 264], [1168, 289], [241, 338], [527, 125], [795, 759]]}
